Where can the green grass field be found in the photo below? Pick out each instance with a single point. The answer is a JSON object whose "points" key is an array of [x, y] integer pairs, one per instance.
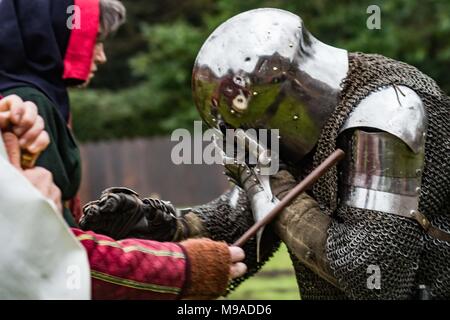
{"points": [[275, 281]]}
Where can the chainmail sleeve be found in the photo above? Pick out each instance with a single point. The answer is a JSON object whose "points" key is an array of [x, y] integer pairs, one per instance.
{"points": [[359, 240], [229, 217]]}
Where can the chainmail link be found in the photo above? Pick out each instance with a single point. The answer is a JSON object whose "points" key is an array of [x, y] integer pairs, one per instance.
{"points": [[359, 238], [226, 219], [311, 286], [434, 266]]}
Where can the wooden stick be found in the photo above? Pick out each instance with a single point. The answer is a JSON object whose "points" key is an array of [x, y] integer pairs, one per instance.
{"points": [[329, 162]]}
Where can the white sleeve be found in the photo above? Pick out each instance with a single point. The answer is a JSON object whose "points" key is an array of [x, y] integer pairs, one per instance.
{"points": [[39, 256]]}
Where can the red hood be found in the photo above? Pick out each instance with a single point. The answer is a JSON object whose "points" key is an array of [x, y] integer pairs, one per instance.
{"points": [[80, 50]]}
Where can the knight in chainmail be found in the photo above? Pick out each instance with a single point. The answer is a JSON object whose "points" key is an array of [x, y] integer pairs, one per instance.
{"points": [[382, 214]]}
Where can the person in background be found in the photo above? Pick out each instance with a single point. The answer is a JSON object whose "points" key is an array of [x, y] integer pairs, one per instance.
{"points": [[47, 47]]}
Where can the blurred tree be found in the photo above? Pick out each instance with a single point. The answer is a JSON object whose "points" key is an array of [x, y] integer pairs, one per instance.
{"points": [[130, 40], [145, 90]]}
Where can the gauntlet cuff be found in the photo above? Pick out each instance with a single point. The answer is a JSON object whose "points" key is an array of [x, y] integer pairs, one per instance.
{"points": [[189, 226]]}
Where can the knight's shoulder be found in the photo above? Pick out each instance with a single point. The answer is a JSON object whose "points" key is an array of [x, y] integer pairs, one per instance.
{"points": [[397, 110]]}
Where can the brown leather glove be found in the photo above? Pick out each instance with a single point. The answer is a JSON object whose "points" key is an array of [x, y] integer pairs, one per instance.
{"points": [[120, 213], [303, 227], [281, 183]]}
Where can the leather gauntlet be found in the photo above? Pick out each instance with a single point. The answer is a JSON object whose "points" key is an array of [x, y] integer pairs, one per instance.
{"points": [[303, 227], [120, 213]]}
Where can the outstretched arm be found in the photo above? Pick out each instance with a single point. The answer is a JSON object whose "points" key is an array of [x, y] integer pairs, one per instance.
{"points": [[120, 214], [145, 269]]}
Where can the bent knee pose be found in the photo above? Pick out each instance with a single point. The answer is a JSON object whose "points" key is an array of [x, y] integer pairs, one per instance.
{"points": [[385, 207]]}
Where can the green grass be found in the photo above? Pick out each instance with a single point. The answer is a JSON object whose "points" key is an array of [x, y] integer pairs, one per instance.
{"points": [[275, 281]]}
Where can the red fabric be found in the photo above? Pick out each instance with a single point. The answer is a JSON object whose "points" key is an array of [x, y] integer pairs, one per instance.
{"points": [[80, 50], [133, 269], [75, 208]]}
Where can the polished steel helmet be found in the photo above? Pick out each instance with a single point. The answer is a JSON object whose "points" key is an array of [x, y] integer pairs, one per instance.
{"points": [[263, 69]]}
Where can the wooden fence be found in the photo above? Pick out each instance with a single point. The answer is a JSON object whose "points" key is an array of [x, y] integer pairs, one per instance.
{"points": [[145, 165]]}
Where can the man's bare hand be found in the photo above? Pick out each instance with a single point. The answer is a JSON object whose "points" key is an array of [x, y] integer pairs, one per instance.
{"points": [[22, 117], [41, 178], [238, 268]]}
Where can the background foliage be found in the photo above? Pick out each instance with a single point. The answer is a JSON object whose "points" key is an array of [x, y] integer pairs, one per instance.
{"points": [[144, 90]]}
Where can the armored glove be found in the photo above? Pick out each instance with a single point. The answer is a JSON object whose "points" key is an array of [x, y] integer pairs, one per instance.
{"points": [[253, 178], [120, 213]]}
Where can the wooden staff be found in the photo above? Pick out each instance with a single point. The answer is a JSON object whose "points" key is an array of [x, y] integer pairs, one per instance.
{"points": [[329, 162]]}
